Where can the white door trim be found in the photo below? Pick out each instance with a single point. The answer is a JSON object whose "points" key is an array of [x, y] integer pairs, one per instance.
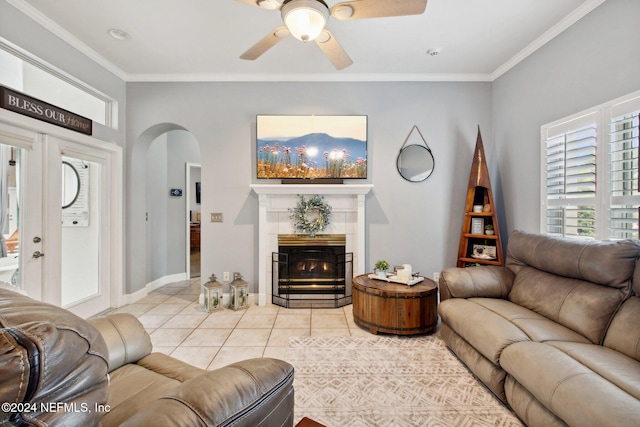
{"points": [[112, 207], [188, 191]]}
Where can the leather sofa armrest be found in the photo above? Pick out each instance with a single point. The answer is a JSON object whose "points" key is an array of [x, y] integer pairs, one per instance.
{"points": [[253, 392], [126, 338], [482, 281]]}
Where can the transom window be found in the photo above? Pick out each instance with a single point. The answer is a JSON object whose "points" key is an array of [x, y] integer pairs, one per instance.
{"points": [[23, 73]]}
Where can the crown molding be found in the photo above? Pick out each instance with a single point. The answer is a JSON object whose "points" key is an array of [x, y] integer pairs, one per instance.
{"points": [[549, 35], [553, 32], [240, 77], [66, 36]]}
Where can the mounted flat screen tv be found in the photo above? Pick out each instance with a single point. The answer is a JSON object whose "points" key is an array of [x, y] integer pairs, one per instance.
{"points": [[311, 147]]}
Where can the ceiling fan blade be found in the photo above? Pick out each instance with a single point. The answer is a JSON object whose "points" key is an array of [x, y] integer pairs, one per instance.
{"points": [[364, 9], [263, 4], [265, 44], [332, 49]]}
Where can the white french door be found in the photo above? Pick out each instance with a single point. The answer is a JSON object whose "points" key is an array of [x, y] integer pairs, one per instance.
{"points": [[22, 266], [69, 216]]}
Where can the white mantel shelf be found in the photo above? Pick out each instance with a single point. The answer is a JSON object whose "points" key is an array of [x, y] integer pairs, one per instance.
{"points": [[276, 189], [274, 201]]}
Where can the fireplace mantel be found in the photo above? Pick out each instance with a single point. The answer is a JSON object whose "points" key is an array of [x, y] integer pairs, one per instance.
{"points": [[280, 189], [275, 200]]}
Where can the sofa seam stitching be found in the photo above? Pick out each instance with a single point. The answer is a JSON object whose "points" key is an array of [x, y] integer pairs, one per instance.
{"points": [[124, 342], [565, 379]]}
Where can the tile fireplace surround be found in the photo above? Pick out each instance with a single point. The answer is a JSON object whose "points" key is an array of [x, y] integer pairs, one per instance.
{"points": [[347, 217]]}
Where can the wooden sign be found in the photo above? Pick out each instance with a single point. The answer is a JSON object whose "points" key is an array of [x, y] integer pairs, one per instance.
{"points": [[32, 107]]}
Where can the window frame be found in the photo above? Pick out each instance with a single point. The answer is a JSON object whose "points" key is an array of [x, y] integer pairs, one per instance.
{"points": [[110, 105], [601, 116]]}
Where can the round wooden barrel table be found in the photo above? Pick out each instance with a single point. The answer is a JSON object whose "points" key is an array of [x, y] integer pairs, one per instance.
{"points": [[395, 308]]}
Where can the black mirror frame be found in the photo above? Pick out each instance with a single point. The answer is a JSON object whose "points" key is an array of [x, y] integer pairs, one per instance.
{"points": [[433, 160], [75, 171]]}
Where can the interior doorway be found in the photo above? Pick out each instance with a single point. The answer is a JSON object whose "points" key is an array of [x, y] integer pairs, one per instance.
{"points": [[169, 210], [193, 184]]}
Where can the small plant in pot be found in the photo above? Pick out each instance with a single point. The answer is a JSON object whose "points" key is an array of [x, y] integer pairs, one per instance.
{"points": [[381, 268], [488, 229]]}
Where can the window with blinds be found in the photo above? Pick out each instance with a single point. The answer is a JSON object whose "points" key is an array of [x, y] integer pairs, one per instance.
{"points": [[623, 176], [570, 183], [590, 177]]}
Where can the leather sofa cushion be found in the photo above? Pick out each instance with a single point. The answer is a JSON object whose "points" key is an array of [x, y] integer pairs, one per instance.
{"points": [[481, 281], [582, 306], [125, 336], [567, 378], [135, 386], [490, 325], [528, 408], [624, 333], [253, 392], [608, 263], [49, 355]]}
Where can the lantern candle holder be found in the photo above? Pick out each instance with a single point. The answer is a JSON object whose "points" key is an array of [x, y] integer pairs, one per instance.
{"points": [[238, 292], [212, 291]]}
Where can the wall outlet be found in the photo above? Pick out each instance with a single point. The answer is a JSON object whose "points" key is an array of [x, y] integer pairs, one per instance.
{"points": [[436, 277], [216, 217], [225, 276]]}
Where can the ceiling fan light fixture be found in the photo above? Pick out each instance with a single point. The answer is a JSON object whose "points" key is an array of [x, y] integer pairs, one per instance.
{"points": [[305, 19]]}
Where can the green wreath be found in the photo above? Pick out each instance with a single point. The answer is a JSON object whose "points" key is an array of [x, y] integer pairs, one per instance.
{"points": [[311, 216]]}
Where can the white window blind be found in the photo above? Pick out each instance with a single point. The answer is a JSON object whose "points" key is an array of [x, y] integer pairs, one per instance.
{"points": [[623, 180], [591, 173], [570, 178]]}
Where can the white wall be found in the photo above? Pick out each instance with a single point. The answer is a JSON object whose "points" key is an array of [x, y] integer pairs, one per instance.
{"points": [[417, 223], [156, 211], [594, 61]]}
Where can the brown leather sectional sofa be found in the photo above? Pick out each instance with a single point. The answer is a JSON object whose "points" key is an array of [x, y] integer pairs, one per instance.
{"points": [[57, 369], [556, 332]]}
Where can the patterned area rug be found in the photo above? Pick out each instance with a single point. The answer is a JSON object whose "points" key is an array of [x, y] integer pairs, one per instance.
{"points": [[388, 381]]}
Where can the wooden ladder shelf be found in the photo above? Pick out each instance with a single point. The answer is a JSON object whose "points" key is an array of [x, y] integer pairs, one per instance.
{"points": [[477, 247]]}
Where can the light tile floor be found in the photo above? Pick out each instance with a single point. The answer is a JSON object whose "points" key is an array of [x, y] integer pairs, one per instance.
{"points": [[179, 327]]}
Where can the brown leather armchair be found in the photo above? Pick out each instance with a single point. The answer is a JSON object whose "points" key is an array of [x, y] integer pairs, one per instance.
{"points": [[57, 369]]}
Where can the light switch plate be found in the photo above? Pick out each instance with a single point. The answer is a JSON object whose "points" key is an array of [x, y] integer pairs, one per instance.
{"points": [[216, 217]]}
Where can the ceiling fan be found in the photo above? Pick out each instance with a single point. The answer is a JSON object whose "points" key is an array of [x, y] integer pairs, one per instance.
{"points": [[306, 21]]}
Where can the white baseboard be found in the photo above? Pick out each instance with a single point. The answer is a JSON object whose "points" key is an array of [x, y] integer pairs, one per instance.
{"points": [[152, 286], [160, 282]]}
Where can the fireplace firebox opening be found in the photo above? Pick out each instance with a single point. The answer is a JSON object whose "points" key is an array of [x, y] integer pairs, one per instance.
{"points": [[312, 271]]}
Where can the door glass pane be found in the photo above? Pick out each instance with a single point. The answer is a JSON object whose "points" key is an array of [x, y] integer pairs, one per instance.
{"points": [[10, 215], [80, 230]]}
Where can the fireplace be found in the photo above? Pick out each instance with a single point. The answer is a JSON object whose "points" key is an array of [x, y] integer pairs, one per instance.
{"points": [[312, 271], [348, 202]]}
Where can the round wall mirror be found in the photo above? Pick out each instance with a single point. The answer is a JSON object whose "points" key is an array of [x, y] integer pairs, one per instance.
{"points": [[415, 163], [70, 184]]}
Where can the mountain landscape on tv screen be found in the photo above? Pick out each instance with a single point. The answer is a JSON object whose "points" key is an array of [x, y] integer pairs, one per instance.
{"points": [[315, 155]]}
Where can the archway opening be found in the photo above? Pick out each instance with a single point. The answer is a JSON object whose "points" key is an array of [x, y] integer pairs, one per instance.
{"points": [[166, 157]]}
